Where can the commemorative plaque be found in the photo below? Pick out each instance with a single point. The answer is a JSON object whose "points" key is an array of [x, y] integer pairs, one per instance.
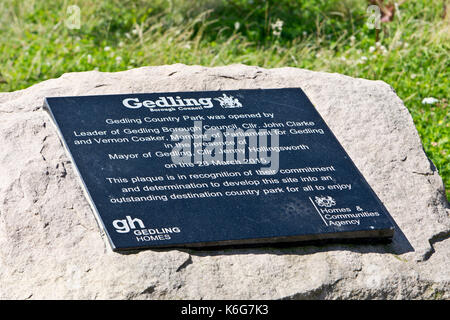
{"points": [[215, 168]]}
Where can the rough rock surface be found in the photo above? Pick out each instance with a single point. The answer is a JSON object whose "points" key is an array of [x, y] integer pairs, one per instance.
{"points": [[51, 246]]}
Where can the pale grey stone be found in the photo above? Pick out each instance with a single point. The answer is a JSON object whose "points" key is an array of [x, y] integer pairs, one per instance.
{"points": [[51, 246]]}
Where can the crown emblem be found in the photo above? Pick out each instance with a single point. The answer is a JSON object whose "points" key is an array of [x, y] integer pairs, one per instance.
{"points": [[229, 101]]}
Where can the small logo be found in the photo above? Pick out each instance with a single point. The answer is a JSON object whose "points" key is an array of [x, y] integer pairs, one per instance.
{"points": [[169, 103], [229, 101], [125, 225], [323, 201], [137, 228]]}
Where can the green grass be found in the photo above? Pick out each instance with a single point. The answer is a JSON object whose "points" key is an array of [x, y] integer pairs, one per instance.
{"points": [[332, 36]]}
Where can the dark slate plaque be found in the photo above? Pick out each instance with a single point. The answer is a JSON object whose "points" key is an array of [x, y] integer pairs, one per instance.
{"points": [[215, 168]]}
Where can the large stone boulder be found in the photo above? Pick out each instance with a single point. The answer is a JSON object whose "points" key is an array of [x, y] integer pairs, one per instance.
{"points": [[51, 246]]}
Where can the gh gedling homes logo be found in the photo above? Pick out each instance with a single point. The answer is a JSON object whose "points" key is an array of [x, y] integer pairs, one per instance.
{"points": [[141, 233]]}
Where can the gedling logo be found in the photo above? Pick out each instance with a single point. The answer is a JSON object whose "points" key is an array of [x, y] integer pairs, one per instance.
{"points": [[142, 234], [168, 103], [124, 226], [229, 101], [177, 103]]}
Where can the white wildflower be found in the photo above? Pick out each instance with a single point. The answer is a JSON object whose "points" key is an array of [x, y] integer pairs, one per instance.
{"points": [[118, 59], [362, 60], [429, 100], [413, 76], [277, 27], [371, 49], [237, 25], [107, 48]]}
